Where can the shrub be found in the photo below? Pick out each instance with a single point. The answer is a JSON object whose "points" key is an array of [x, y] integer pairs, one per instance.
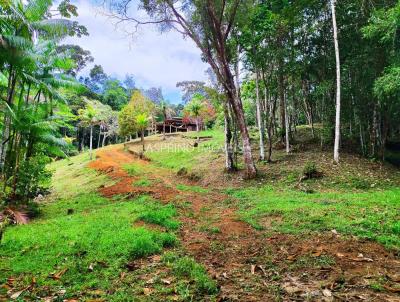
{"points": [[310, 171], [33, 177]]}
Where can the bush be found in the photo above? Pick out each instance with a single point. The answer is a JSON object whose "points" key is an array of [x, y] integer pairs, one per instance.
{"points": [[33, 177], [310, 171]]}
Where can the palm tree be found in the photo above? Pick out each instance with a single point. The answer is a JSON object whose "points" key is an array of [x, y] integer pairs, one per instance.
{"points": [[194, 109]]}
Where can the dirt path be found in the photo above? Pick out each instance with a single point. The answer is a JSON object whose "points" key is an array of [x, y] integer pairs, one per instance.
{"points": [[249, 265]]}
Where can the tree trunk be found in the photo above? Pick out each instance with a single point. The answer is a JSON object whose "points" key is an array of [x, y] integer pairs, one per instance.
{"points": [[197, 127], [260, 119], [142, 139], [104, 140], [229, 162], [338, 86], [91, 143], [12, 81], [287, 131], [281, 89], [99, 138]]}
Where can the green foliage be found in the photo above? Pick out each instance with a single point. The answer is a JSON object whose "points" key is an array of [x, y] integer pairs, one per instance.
{"points": [[187, 267], [33, 177], [134, 117], [114, 94], [310, 170]]}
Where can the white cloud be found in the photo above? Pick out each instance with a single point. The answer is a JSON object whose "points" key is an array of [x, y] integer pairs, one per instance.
{"points": [[159, 60]]}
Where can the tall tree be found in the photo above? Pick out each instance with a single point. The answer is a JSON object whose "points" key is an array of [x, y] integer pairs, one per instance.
{"points": [[338, 83], [209, 24]]}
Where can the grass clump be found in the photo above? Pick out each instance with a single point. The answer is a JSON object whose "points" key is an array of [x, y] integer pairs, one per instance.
{"points": [[187, 267], [133, 169], [161, 215], [195, 189], [143, 182], [371, 214]]}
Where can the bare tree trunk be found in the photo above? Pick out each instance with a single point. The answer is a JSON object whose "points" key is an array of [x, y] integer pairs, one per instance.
{"points": [[142, 139], [104, 140], [260, 119], [281, 89], [91, 142], [229, 162], [287, 130], [338, 86], [99, 138]]}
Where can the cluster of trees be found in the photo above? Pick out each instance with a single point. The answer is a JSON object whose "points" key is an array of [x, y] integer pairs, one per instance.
{"points": [[47, 110], [332, 63], [32, 72]]}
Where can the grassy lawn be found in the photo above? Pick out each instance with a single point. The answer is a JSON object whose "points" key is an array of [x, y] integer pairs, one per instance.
{"points": [[371, 214], [189, 157], [82, 242]]}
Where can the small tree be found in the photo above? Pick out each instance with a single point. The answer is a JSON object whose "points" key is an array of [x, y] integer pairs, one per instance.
{"points": [[142, 122], [88, 117], [194, 109]]}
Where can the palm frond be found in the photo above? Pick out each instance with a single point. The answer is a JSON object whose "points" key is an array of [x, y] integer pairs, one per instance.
{"points": [[36, 9]]}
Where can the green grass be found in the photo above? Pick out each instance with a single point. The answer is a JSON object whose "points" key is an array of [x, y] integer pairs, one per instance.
{"points": [[161, 215], [198, 281], [133, 169], [190, 157], [92, 237], [372, 214], [143, 182], [100, 234], [195, 189], [71, 177]]}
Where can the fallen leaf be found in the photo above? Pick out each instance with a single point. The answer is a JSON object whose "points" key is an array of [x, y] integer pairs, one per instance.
{"points": [[147, 291], [364, 259], [317, 253], [122, 275], [57, 276], [131, 266], [340, 255], [16, 295], [263, 270], [327, 293], [97, 292]]}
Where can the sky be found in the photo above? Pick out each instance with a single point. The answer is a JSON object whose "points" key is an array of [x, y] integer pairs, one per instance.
{"points": [[155, 59]]}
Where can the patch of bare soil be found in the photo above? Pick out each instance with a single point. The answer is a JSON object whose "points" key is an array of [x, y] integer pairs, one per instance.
{"points": [[250, 266]]}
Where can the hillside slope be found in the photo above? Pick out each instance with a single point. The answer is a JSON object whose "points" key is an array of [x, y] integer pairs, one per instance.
{"points": [[125, 229]]}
